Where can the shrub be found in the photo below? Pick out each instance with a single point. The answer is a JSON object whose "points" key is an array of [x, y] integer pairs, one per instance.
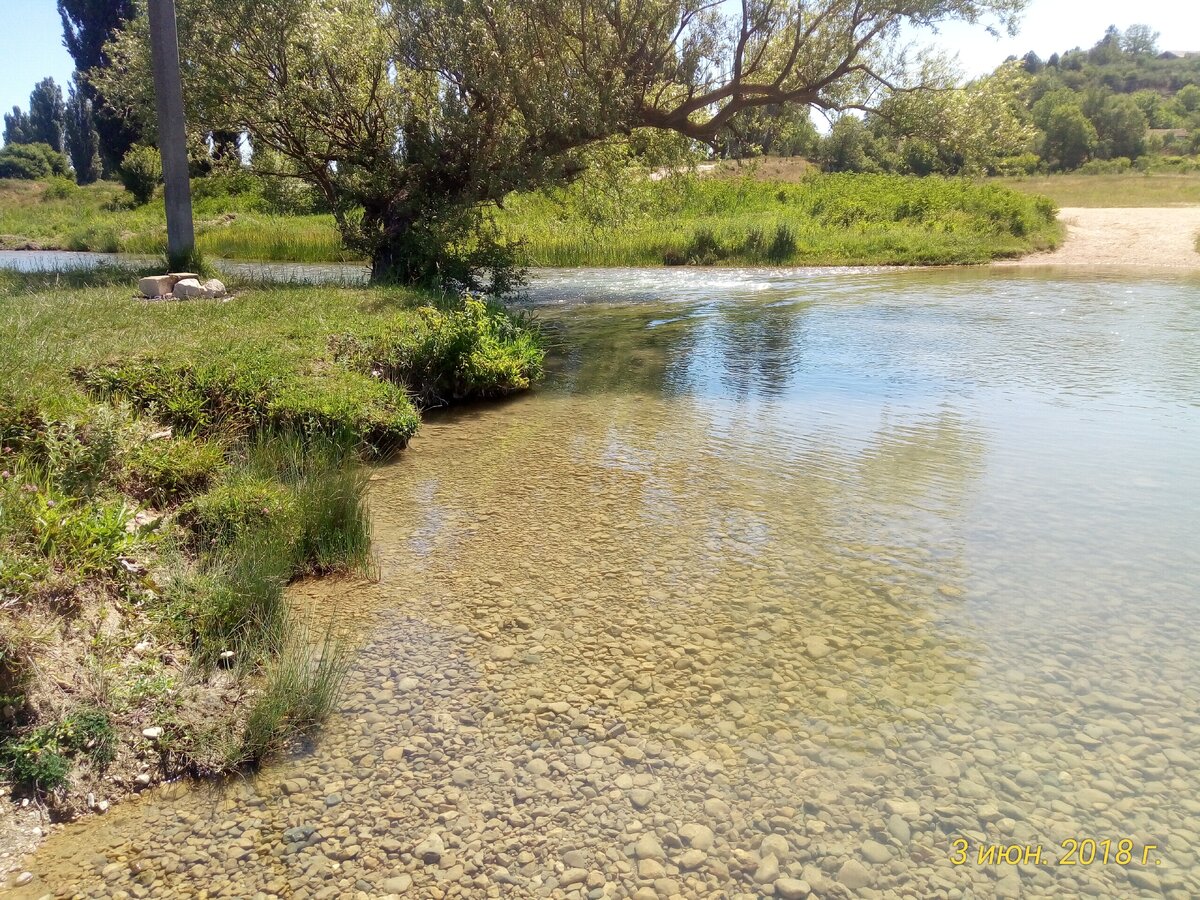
{"points": [[32, 162], [475, 350], [141, 172], [705, 248], [60, 188]]}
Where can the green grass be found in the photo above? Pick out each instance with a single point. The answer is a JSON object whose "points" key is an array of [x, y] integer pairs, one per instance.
{"points": [[1131, 189], [725, 218], [820, 220], [98, 218], [174, 466]]}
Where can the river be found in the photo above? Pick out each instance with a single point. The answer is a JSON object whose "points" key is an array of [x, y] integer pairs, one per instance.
{"points": [[783, 582]]}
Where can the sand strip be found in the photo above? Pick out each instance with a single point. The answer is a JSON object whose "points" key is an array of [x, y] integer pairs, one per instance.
{"points": [[1148, 237]]}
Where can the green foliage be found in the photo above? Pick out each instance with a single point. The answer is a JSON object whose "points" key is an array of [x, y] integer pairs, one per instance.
{"points": [[1120, 127], [32, 162], [87, 26], [87, 536], [824, 219], [446, 355], [236, 507], [848, 147], [162, 472], [970, 130], [59, 188], [41, 760], [255, 392], [289, 507], [324, 512], [141, 173], [1069, 139], [47, 115], [301, 691], [16, 128], [82, 139]]}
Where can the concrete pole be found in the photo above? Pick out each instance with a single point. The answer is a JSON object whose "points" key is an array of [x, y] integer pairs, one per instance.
{"points": [[172, 137]]}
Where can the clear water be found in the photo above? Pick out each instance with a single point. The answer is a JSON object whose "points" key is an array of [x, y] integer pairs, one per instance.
{"points": [[846, 568]]}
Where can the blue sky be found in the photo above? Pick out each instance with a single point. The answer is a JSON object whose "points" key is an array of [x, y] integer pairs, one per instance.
{"points": [[31, 37]]}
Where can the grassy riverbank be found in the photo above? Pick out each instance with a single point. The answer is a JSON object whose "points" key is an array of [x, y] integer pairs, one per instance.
{"points": [[229, 225], [167, 469], [820, 220], [752, 219]]}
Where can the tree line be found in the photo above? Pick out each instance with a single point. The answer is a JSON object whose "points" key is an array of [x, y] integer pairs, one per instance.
{"points": [[1119, 104]]}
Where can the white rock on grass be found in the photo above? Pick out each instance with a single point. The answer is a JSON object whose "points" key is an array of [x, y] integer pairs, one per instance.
{"points": [[214, 287], [156, 285], [189, 288]]}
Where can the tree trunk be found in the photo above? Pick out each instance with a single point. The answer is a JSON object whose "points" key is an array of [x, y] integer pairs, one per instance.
{"points": [[172, 137]]}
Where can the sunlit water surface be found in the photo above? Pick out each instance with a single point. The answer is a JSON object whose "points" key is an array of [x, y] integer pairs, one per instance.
{"points": [[868, 562]]}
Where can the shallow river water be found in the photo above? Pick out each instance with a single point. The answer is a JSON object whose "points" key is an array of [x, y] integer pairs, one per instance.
{"points": [[783, 583]]}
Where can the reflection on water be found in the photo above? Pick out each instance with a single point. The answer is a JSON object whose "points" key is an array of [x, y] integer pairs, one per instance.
{"points": [[783, 585]]}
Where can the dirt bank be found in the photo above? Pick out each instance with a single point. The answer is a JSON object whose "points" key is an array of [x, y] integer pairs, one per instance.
{"points": [[1151, 237]]}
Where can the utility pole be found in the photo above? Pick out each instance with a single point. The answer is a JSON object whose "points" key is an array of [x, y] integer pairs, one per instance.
{"points": [[172, 137]]}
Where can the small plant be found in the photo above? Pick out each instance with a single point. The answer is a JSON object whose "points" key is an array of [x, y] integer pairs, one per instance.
{"points": [[235, 508], [41, 761], [141, 173]]}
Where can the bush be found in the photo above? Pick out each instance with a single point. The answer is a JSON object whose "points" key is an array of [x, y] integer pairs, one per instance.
{"points": [[141, 173], [475, 350], [59, 188], [32, 162]]}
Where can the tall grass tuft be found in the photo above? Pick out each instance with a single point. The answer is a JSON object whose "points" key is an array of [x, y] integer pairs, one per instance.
{"points": [[290, 506], [300, 691]]}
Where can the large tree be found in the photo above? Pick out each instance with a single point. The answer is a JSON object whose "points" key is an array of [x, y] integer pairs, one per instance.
{"points": [[48, 115], [88, 25], [411, 116], [83, 143], [16, 127]]}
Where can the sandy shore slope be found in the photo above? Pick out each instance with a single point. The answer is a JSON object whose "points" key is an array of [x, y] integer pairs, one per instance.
{"points": [[1151, 237]]}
